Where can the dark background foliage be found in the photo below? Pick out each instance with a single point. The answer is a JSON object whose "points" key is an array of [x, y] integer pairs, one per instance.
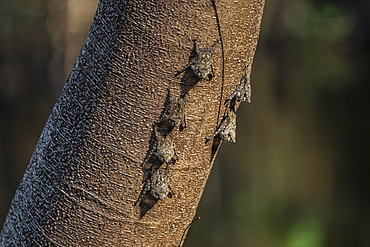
{"points": [[299, 173]]}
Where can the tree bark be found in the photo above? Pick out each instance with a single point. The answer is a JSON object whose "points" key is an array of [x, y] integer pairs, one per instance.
{"points": [[86, 172]]}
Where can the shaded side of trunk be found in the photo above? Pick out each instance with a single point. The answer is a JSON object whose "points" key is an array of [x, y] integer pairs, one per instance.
{"points": [[86, 171]]}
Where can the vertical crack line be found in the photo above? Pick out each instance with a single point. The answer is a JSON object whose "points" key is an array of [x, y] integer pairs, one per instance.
{"points": [[223, 59]]}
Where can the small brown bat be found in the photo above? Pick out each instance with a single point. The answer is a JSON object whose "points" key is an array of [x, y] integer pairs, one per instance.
{"points": [[175, 112], [201, 62], [227, 128]]}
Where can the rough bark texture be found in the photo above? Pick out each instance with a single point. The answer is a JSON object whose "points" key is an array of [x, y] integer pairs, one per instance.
{"points": [[86, 171]]}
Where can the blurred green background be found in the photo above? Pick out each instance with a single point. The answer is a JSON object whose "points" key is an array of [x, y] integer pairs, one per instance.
{"points": [[299, 175]]}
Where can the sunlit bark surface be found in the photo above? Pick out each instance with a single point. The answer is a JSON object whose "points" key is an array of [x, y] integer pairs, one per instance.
{"points": [[86, 171]]}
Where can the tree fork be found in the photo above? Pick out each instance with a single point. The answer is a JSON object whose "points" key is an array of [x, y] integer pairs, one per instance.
{"points": [[86, 172]]}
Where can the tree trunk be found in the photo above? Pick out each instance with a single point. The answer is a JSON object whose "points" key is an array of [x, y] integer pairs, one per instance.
{"points": [[87, 170]]}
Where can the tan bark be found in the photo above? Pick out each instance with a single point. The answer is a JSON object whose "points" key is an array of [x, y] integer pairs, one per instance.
{"points": [[86, 172]]}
